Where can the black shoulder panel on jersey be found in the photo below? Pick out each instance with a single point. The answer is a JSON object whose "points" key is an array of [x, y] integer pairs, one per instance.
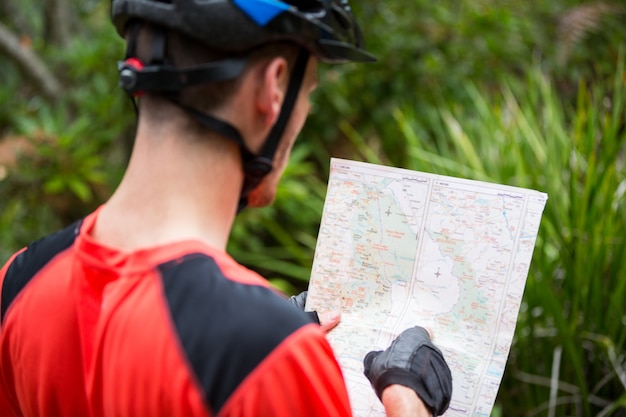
{"points": [[226, 328], [26, 265]]}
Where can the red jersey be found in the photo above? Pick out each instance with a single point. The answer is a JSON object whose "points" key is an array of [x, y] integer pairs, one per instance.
{"points": [[176, 330]]}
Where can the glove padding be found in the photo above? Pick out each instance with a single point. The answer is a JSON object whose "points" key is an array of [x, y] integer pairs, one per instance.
{"points": [[299, 301], [413, 361]]}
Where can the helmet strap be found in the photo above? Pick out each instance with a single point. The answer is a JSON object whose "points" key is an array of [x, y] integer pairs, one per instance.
{"points": [[159, 77], [131, 47], [260, 165], [214, 124]]}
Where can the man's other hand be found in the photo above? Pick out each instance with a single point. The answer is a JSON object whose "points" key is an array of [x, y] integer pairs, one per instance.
{"points": [[327, 320], [414, 361]]}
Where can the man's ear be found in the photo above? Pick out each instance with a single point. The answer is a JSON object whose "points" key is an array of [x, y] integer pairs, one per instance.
{"points": [[272, 89]]}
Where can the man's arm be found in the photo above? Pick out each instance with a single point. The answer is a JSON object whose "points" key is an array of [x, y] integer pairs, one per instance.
{"points": [[300, 378], [401, 401]]}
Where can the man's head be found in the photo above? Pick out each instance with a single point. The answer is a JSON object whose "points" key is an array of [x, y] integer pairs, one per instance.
{"points": [[199, 51]]}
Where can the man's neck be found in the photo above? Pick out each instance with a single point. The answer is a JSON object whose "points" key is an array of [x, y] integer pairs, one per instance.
{"points": [[174, 189]]}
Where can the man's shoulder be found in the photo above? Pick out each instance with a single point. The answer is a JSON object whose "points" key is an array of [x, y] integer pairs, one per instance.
{"points": [[226, 327], [198, 280], [24, 265]]}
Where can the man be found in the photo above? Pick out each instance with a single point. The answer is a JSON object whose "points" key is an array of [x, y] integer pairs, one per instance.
{"points": [[136, 310]]}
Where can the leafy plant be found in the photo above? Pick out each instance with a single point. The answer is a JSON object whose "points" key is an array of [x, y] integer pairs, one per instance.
{"points": [[75, 153], [567, 357]]}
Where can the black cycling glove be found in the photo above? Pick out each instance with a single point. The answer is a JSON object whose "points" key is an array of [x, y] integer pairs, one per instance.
{"points": [[414, 361], [299, 301]]}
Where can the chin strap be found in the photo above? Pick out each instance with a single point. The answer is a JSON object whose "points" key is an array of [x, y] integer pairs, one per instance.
{"points": [[260, 165], [159, 77]]}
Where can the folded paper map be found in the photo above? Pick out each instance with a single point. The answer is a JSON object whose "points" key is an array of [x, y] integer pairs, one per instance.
{"points": [[399, 248]]}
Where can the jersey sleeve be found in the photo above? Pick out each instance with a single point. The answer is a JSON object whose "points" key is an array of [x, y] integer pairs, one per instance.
{"points": [[300, 378], [5, 404], [3, 273]]}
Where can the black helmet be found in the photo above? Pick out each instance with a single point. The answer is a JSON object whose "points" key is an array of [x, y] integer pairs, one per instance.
{"points": [[326, 27]]}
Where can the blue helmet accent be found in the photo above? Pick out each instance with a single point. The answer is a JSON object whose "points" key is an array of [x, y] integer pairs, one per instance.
{"points": [[261, 11]]}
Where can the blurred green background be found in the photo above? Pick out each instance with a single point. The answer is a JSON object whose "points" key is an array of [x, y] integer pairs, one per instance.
{"points": [[527, 93]]}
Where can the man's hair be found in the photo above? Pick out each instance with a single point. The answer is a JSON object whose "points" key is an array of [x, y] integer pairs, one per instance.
{"points": [[182, 51]]}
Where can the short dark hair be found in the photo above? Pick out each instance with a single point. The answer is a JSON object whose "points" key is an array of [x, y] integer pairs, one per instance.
{"points": [[182, 51]]}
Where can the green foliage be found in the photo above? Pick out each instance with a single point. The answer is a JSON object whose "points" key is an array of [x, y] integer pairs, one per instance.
{"points": [[73, 154], [572, 327], [567, 354], [427, 50]]}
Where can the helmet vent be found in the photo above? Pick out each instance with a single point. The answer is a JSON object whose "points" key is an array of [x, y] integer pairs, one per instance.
{"points": [[342, 16], [307, 6]]}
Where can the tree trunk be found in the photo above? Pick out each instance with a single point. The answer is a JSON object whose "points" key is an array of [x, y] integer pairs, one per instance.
{"points": [[31, 64], [60, 22], [13, 16]]}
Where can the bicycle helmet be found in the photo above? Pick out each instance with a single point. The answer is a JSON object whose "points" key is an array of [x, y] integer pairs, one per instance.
{"points": [[324, 28]]}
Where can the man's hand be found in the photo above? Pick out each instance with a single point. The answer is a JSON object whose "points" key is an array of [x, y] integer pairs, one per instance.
{"points": [[327, 320], [413, 361]]}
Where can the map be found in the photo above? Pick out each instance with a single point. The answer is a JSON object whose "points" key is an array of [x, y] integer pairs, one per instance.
{"points": [[399, 248]]}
